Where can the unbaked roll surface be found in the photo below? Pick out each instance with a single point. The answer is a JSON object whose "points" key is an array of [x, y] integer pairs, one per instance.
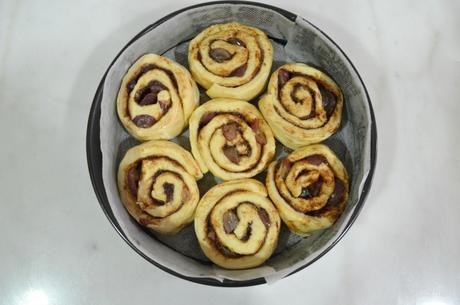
{"points": [[236, 224], [157, 185], [231, 139], [156, 98], [231, 60], [309, 188], [302, 105]]}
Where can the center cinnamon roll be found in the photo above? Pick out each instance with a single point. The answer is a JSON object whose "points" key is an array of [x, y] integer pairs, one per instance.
{"points": [[231, 139]]}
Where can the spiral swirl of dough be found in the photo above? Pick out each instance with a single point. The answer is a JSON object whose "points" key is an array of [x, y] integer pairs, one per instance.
{"points": [[231, 139], [156, 98], [237, 226], [157, 185], [231, 60], [309, 187], [302, 105]]}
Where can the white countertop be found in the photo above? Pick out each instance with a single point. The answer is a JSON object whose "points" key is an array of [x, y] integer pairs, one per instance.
{"points": [[59, 248]]}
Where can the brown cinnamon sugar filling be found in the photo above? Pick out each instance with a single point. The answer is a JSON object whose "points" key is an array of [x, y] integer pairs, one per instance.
{"points": [[328, 99], [314, 189]]}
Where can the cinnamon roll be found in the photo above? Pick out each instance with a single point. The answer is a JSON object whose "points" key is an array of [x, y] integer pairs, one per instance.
{"points": [[309, 187], [156, 98], [236, 224], [302, 105], [231, 139], [157, 185], [231, 60]]}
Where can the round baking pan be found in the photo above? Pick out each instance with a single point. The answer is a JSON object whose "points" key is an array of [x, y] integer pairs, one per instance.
{"points": [[94, 155]]}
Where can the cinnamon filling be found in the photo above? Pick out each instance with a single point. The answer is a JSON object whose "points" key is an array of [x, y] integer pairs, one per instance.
{"points": [[239, 71], [144, 121], [316, 159], [329, 100], [335, 199], [283, 77], [230, 221], [236, 41], [144, 69], [149, 94], [165, 105], [312, 190], [260, 135], [132, 178], [230, 131], [285, 164], [264, 217], [232, 154], [220, 55], [168, 189], [222, 249], [206, 118]]}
